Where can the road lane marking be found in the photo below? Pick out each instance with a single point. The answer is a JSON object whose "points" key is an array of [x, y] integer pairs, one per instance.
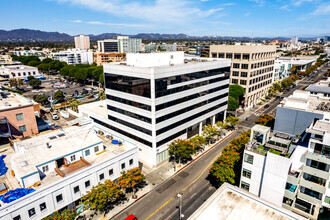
{"points": [[193, 195], [189, 183]]}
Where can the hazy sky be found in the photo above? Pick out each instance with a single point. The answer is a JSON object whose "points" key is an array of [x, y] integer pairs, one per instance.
{"points": [[193, 17]]}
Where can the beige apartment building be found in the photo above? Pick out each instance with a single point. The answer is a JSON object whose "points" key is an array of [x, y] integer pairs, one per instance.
{"points": [[102, 58], [252, 68]]}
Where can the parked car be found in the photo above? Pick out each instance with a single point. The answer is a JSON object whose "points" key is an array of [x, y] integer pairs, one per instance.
{"points": [[131, 217], [55, 116], [266, 106], [36, 91]]}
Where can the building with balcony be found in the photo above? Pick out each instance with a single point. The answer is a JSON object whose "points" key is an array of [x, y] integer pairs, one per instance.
{"points": [[18, 72], [81, 42], [252, 68], [61, 166], [292, 173], [18, 116], [5, 59], [154, 98], [74, 56], [103, 58]]}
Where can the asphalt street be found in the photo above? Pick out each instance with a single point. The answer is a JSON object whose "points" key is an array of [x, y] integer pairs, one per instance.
{"points": [[163, 203]]}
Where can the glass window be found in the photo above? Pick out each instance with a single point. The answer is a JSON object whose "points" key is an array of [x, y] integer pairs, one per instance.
{"points": [[131, 162], [32, 212], [96, 149], [247, 173], [221, 55], [59, 198], [245, 186], [234, 81], [246, 56], [235, 73], [237, 56], [129, 124], [45, 168], [129, 102], [129, 114], [243, 82], [236, 65], [123, 166], [111, 172], [229, 55], [87, 184], [245, 66], [87, 152], [214, 55], [243, 74], [73, 157], [22, 128], [101, 176], [76, 189], [17, 217], [132, 85], [248, 158], [43, 206], [19, 117]]}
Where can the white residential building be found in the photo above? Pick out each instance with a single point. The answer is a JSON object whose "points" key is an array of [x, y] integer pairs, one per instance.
{"points": [[81, 42], [290, 172], [61, 166], [294, 40], [155, 98], [74, 56], [18, 71]]}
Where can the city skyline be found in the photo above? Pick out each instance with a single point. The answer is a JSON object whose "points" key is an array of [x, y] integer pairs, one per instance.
{"points": [[251, 18]]}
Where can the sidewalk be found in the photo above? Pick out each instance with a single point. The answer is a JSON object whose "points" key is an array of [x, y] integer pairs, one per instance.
{"points": [[154, 178]]}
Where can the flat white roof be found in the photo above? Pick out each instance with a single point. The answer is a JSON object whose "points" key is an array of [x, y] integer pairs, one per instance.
{"points": [[99, 107], [34, 151], [10, 100], [232, 203]]}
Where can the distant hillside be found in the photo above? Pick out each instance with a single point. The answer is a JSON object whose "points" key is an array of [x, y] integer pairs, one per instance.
{"points": [[27, 35]]}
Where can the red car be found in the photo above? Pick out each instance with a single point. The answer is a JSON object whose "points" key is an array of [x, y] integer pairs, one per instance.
{"points": [[131, 217]]}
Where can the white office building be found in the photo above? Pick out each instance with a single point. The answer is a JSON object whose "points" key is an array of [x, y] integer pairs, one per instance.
{"points": [[81, 42], [294, 40], [107, 46], [61, 166], [74, 56], [129, 45], [155, 98], [18, 71]]}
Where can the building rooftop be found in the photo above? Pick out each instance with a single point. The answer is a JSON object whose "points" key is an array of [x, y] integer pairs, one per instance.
{"points": [[304, 100], [320, 87], [16, 67], [164, 59], [10, 100], [99, 108], [231, 203], [47, 147]]}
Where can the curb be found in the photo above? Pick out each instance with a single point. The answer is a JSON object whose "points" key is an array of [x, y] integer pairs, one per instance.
{"points": [[176, 172]]}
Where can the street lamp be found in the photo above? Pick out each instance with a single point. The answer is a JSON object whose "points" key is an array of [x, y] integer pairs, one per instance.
{"points": [[180, 206]]}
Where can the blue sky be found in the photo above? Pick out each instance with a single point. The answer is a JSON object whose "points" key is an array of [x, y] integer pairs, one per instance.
{"points": [[251, 18]]}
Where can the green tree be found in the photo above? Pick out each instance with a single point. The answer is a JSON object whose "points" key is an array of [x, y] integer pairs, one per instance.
{"points": [[33, 63], [30, 77], [232, 121], [59, 96], [222, 125], [182, 150], [65, 214], [81, 74], [131, 179], [102, 95], [104, 196], [198, 141], [43, 67], [41, 98], [13, 82], [211, 133], [233, 103], [293, 69], [46, 60], [65, 71], [236, 91], [74, 103], [35, 83]]}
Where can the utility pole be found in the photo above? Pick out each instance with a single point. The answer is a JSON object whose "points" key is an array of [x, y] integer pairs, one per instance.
{"points": [[180, 206]]}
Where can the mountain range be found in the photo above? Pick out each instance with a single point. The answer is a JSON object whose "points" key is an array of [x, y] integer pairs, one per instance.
{"points": [[27, 35]]}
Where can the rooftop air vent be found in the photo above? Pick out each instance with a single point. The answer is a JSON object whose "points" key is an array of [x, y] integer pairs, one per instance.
{"points": [[23, 163], [52, 137]]}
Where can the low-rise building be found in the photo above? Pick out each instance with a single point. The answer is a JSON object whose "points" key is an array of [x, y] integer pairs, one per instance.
{"points": [[18, 71], [74, 56], [231, 202], [103, 58], [5, 59], [17, 116], [61, 166]]}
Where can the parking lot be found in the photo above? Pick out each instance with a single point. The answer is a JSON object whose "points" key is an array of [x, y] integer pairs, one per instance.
{"points": [[47, 88]]}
